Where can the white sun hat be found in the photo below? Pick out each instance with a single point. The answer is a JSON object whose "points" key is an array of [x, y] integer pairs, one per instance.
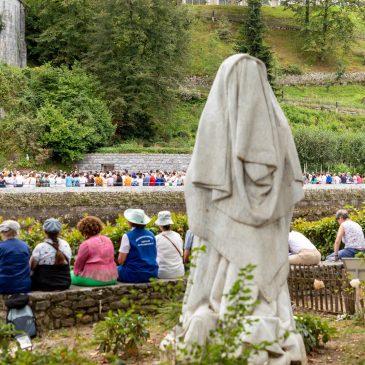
{"points": [[10, 225], [137, 216], [164, 218]]}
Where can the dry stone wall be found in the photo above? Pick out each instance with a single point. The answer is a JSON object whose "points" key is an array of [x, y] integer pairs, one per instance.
{"points": [[81, 305], [107, 203], [134, 162]]}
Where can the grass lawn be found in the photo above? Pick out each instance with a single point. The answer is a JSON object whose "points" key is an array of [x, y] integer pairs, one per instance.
{"points": [[346, 95], [346, 348], [208, 51]]}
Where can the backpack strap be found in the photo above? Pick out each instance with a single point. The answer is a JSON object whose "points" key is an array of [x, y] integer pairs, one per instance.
{"points": [[180, 254]]}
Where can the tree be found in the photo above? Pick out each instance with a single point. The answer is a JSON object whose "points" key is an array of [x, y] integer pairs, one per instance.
{"points": [[138, 50], [328, 26], [57, 30], [251, 38]]}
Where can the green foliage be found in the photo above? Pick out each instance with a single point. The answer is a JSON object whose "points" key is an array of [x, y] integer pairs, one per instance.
{"points": [[138, 49], [32, 231], [323, 232], [135, 147], [52, 112], [224, 344], [291, 70], [121, 332], [251, 38], [313, 330], [327, 27]]}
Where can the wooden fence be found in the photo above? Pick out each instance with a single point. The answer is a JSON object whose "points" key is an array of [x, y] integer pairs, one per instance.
{"points": [[335, 297]]}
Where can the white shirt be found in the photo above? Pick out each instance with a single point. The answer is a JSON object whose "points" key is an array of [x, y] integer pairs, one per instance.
{"points": [[169, 257], [125, 246], [45, 254], [353, 235], [298, 242]]}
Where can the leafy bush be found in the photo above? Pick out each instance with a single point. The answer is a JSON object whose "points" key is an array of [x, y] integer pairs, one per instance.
{"points": [[313, 330], [32, 231], [291, 70], [323, 232], [123, 331], [52, 112]]}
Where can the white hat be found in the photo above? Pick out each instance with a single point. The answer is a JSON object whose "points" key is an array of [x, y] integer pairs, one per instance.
{"points": [[164, 218], [10, 225], [137, 216]]}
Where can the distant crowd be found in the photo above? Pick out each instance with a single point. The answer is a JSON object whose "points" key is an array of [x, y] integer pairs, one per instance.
{"points": [[33, 179], [329, 178]]}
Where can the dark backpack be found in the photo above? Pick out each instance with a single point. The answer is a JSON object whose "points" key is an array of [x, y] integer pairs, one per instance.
{"points": [[20, 314]]}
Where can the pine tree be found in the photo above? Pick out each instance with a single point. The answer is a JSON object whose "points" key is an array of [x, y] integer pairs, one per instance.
{"points": [[251, 40]]}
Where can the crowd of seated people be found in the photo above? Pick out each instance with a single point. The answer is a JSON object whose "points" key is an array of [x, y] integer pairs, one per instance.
{"points": [[142, 256], [11, 179]]}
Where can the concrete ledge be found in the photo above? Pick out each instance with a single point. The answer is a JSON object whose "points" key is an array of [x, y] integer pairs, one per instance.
{"points": [[83, 305]]}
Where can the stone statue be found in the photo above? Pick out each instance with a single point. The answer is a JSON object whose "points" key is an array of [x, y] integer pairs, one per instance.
{"points": [[12, 34], [241, 186]]}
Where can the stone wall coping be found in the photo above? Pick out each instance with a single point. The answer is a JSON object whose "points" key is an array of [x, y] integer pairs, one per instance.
{"points": [[151, 189], [41, 295]]}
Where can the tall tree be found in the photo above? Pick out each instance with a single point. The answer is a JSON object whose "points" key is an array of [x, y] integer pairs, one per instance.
{"points": [[328, 26], [138, 49], [251, 38], [57, 30]]}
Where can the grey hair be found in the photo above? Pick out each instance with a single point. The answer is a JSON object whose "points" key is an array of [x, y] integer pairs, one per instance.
{"points": [[342, 213]]}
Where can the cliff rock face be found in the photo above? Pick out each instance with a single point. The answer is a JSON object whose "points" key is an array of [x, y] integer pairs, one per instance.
{"points": [[12, 36]]}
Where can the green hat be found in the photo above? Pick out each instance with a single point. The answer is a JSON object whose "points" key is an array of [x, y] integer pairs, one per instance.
{"points": [[137, 216]]}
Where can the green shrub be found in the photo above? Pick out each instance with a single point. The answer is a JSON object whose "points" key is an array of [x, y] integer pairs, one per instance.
{"points": [[121, 332], [291, 70], [313, 330], [323, 232]]}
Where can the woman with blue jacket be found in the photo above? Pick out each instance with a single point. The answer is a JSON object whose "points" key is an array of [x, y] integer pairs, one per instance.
{"points": [[138, 250]]}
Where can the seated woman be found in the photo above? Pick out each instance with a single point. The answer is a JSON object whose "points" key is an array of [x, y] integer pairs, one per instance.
{"points": [[301, 250], [169, 249], [14, 260], [137, 253], [50, 260], [94, 265], [351, 234]]}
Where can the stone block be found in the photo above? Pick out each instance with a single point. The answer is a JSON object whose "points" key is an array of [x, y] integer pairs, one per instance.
{"points": [[67, 322], [42, 305]]}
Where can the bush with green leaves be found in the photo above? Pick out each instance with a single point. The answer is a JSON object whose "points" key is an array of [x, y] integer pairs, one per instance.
{"points": [[121, 332], [314, 331], [324, 231], [32, 231], [55, 112]]}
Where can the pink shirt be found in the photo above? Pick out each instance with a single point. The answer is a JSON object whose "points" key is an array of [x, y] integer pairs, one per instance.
{"points": [[95, 259]]}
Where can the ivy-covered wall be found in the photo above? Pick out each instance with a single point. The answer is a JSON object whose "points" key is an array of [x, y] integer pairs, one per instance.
{"points": [[109, 203]]}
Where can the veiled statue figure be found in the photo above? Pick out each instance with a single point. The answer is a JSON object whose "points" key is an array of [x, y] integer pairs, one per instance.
{"points": [[241, 186]]}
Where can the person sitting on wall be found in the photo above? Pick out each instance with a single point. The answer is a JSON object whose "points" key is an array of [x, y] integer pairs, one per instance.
{"points": [[50, 260], [138, 251], [351, 234], [169, 249], [14, 260], [301, 250], [94, 265]]}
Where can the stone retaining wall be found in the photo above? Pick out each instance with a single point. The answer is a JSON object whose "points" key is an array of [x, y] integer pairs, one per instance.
{"points": [[107, 203], [134, 162], [80, 305]]}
